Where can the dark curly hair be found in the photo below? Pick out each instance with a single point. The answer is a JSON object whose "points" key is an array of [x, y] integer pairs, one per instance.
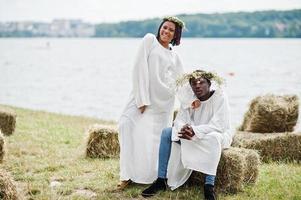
{"points": [[178, 33]]}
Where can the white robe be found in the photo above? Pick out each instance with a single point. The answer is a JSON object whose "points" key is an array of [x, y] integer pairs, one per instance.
{"points": [[211, 124], [155, 72]]}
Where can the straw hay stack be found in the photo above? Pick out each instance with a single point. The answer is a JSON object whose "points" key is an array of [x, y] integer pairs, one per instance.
{"points": [[7, 121], [271, 113], [8, 190], [2, 147], [271, 146], [102, 142], [251, 165], [236, 168]]}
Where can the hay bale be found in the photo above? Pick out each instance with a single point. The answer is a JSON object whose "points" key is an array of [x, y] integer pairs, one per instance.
{"points": [[8, 190], [2, 147], [7, 121], [252, 163], [230, 171], [271, 113], [271, 147], [236, 168], [102, 142]]}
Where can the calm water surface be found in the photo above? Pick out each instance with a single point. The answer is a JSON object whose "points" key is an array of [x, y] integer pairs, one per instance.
{"points": [[91, 77]]}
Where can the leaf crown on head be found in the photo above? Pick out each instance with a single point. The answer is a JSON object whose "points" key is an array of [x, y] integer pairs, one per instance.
{"points": [[175, 20], [212, 76]]}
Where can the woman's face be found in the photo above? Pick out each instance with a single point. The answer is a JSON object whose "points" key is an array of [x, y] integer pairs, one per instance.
{"points": [[167, 31]]}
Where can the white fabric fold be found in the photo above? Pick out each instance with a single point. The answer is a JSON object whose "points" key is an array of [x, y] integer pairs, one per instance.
{"points": [[211, 124], [155, 71]]}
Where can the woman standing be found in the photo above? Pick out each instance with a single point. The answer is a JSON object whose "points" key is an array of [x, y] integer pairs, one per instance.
{"points": [[151, 103]]}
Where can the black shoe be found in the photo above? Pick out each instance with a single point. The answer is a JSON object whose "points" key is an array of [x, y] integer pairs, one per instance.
{"points": [[209, 192], [159, 185]]}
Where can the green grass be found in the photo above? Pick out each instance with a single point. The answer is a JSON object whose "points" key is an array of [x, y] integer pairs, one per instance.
{"points": [[47, 147]]}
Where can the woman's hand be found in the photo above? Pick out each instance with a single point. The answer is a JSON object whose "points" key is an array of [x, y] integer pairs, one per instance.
{"points": [[142, 109]]}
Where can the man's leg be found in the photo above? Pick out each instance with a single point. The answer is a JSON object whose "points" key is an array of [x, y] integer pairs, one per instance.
{"points": [[164, 154], [209, 180], [209, 187]]}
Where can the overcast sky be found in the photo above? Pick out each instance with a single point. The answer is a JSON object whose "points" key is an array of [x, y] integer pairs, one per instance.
{"points": [[121, 10]]}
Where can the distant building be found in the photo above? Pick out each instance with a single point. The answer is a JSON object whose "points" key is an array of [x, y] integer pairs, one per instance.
{"points": [[57, 28], [71, 28], [42, 29]]}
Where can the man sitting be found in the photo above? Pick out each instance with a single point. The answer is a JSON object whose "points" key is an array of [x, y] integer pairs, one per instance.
{"points": [[196, 140]]}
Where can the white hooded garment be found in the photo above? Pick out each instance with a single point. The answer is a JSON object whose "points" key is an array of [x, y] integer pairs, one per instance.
{"points": [[211, 124], [155, 72]]}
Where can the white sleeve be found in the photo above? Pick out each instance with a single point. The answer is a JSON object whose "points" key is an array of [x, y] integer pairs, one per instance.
{"points": [[220, 121], [181, 119], [179, 67], [186, 96], [140, 72], [185, 93], [172, 74]]}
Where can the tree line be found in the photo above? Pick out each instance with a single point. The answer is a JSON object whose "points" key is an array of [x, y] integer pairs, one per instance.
{"points": [[239, 24], [268, 24]]}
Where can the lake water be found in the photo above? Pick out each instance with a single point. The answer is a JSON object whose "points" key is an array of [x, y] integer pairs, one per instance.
{"points": [[91, 77]]}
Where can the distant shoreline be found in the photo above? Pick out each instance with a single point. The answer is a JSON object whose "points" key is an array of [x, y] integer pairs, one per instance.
{"points": [[257, 24]]}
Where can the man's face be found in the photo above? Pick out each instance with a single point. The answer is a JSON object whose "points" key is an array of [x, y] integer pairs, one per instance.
{"points": [[200, 87]]}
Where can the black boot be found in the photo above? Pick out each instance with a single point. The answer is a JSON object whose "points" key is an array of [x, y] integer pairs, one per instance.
{"points": [[209, 192], [159, 185]]}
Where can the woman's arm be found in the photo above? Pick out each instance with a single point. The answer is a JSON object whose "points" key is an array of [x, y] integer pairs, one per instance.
{"points": [[141, 74]]}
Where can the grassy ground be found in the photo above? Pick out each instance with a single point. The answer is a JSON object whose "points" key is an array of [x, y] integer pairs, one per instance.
{"points": [[46, 157]]}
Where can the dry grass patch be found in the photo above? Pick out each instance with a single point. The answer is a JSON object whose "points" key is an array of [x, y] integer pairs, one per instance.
{"points": [[8, 190], [49, 147], [2, 147]]}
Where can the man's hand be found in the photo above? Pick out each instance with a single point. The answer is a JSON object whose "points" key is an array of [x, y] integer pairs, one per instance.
{"points": [[186, 132], [185, 127], [142, 109]]}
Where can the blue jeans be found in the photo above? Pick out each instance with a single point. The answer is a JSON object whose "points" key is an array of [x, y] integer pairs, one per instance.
{"points": [[164, 154]]}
